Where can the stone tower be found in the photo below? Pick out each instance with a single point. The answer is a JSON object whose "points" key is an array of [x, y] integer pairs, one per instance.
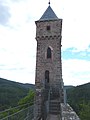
{"points": [[49, 99], [48, 81]]}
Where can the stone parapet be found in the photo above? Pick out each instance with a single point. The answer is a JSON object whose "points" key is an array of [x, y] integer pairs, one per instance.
{"points": [[68, 113]]}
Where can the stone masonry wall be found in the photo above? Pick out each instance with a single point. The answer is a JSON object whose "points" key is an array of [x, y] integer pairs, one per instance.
{"points": [[47, 39], [68, 113]]}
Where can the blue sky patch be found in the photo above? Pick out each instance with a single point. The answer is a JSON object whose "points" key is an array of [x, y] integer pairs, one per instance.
{"points": [[72, 53]]}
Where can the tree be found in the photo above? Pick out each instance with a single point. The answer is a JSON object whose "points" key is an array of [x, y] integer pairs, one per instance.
{"points": [[28, 99], [85, 111]]}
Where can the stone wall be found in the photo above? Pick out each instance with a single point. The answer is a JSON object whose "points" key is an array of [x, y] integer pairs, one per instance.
{"points": [[68, 113]]}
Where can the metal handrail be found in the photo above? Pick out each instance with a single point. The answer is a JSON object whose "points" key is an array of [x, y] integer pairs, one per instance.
{"points": [[15, 107], [14, 111], [15, 115]]}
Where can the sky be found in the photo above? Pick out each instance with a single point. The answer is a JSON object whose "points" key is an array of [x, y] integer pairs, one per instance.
{"points": [[18, 44]]}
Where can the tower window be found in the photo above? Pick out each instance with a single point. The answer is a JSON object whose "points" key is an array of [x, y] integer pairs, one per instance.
{"points": [[49, 53], [47, 76], [48, 28]]}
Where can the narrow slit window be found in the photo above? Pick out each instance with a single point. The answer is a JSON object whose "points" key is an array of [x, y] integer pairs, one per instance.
{"points": [[49, 53], [47, 76]]}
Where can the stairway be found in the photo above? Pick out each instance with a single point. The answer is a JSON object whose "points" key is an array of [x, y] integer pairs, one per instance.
{"points": [[54, 101], [54, 104]]}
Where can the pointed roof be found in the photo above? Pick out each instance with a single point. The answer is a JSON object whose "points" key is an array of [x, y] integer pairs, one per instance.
{"points": [[48, 15]]}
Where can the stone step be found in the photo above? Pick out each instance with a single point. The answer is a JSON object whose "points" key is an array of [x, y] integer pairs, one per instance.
{"points": [[54, 104], [54, 112], [53, 117], [54, 107]]}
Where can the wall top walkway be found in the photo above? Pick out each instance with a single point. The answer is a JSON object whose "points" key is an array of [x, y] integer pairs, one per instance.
{"points": [[68, 113]]}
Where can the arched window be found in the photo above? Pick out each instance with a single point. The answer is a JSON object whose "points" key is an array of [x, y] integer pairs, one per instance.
{"points": [[49, 52], [47, 76]]}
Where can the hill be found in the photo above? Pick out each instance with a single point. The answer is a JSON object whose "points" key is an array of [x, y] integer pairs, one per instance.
{"points": [[79, 93], [68, 87], [11, 92], [79, 98]]}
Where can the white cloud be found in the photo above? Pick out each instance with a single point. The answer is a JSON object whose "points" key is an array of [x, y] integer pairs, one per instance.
{"points": [[76, 72], [76, 25], [18, 53]]}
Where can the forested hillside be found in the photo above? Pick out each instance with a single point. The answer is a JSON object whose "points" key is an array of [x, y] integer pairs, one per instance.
{"points": [[79, 98], [11, 92], [14, 93]]}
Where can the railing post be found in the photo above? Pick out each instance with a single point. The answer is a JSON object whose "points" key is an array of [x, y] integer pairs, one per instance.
{"points": [[65, 97], [28, 115], [8, 115]]}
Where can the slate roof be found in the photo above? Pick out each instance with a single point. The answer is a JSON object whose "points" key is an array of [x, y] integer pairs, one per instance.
{"points": [[48, 15]]}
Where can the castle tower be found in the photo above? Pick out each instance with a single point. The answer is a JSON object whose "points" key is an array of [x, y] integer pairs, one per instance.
{"points": [[48, 81]]}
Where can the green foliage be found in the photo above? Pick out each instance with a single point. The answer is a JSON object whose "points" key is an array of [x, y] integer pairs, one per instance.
{"points": [[23, 104], [79, 98], [11, 92], [28, 99], [84, 112], [8, 112]]}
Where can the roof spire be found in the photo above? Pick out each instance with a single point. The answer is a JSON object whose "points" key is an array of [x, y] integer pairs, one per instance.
{"points": [[49, 3]]}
